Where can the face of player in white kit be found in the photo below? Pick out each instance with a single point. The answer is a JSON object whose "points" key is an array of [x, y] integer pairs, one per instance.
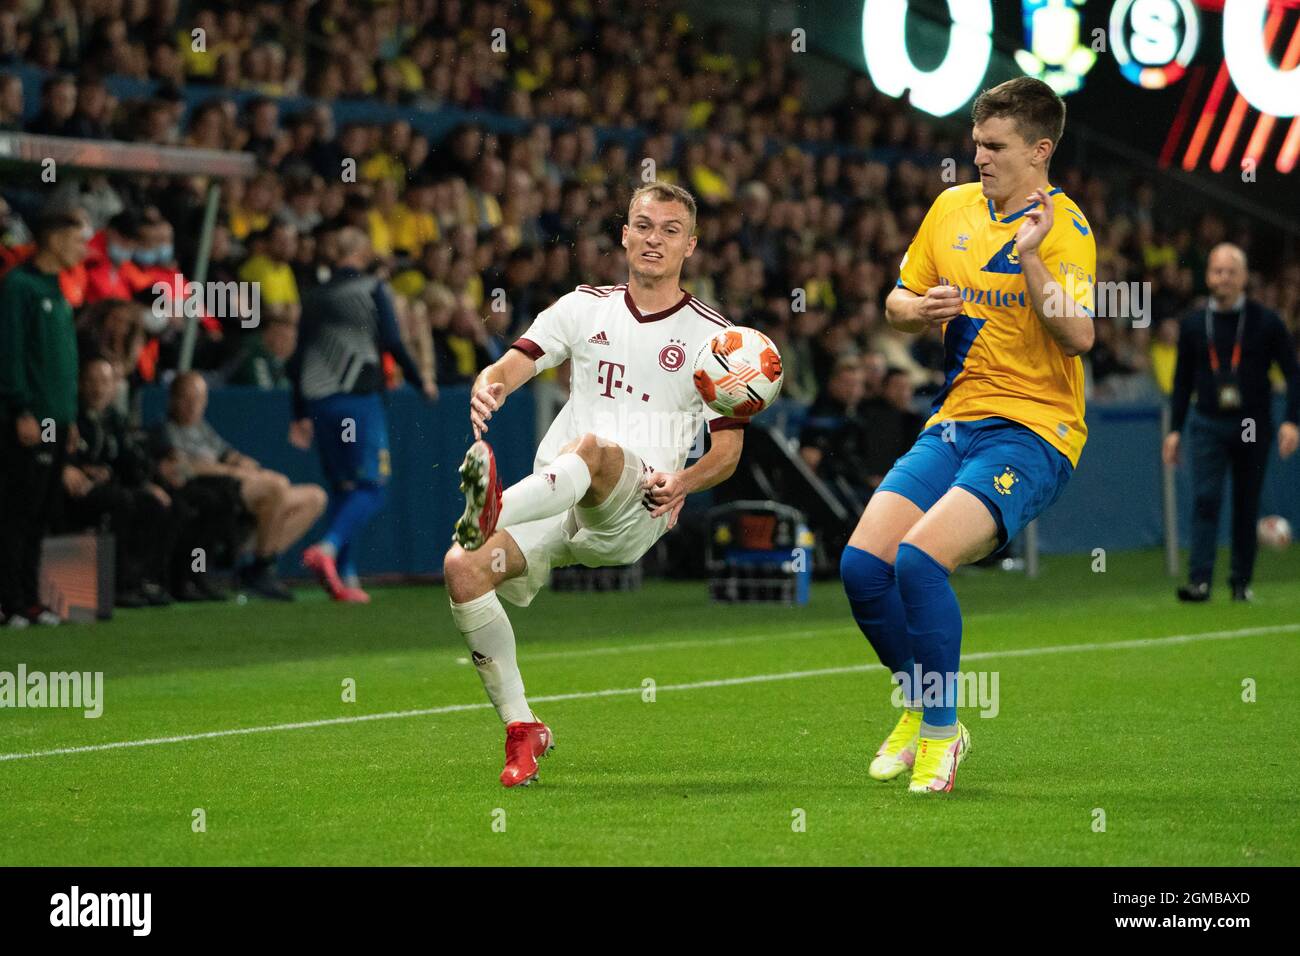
{"points": [[658, 239]]}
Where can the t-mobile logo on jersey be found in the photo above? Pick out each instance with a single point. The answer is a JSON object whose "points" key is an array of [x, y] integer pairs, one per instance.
{"points": [[609, 374]]}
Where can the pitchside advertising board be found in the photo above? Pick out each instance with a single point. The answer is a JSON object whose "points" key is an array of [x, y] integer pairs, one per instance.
{"points": [[1203, 85]]}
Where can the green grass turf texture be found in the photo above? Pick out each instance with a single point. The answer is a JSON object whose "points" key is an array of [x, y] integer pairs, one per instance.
{"points": [[1157, 737]]}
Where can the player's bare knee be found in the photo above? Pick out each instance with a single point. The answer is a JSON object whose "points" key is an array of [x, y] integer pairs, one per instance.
{"points": [[609, 465], [587, 447], [465, 573], [876, 540], [885, 550]]}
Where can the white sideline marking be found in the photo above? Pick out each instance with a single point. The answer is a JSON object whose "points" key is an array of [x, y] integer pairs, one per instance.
{"points": [[678, 645], [529, 656], [696, 685]]}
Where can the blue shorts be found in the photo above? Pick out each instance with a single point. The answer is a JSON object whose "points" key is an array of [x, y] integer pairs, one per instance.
{"points": [[1014, 472], [352, 434]]}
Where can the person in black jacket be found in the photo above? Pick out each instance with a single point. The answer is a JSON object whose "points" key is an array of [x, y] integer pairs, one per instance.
{"points": [[1225, 350], [106, 481]]}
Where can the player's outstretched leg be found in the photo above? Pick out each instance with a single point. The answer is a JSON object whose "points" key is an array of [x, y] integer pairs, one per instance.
{"points": [[867, 571], [583, 473], [472, 577]]}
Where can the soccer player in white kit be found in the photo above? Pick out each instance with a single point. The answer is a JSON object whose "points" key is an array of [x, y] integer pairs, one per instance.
{"points": [[608, 478]]}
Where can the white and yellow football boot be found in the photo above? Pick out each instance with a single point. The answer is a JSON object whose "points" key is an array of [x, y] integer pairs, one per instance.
{"points": [[897, 754], [935, 769]]}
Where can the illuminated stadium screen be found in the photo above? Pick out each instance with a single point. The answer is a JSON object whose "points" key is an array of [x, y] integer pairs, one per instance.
{"points": [[1201, 85]]}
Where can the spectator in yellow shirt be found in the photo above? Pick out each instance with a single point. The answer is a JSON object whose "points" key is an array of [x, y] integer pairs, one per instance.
{"points": [[414, 225], [488, 185], [382, 220], [387, 162], [1164, 355], [269, 266], [250, 211]]}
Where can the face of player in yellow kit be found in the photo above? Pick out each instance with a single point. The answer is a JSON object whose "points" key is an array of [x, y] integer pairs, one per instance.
{"points": [[1009, 167]]}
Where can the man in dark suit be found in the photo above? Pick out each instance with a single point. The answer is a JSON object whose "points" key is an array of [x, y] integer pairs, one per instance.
{"points": [[1225, 350]]}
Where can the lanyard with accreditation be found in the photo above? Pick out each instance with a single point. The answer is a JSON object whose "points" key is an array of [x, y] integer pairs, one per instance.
{"points": [[1229, 393]]}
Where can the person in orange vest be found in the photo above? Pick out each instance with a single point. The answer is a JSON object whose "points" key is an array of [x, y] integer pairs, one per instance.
{"points": [[110, 271]]}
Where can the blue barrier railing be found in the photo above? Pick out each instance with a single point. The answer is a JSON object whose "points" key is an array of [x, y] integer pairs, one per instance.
{"points": [[1112, 502]]}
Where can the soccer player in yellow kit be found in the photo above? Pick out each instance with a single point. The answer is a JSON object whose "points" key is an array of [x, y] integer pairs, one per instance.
{"points": [[1007, 265]]}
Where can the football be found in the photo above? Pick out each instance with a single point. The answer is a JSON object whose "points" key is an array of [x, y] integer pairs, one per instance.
{"points": [[1274, 532], [738, 372]]}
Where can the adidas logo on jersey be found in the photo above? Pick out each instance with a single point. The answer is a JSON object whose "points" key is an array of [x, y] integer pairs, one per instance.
{"points": [[600, 338], [480, 659]]}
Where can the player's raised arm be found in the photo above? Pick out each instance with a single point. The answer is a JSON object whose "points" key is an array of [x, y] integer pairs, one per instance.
{"points": [[496, 382], [1067, 320]]}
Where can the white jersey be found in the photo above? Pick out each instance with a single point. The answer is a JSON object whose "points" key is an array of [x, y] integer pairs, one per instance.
{"points": [[631, 374]]}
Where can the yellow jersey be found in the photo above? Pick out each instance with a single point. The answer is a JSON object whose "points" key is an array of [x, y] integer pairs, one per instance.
{"points": [[275, 279], [1000, 361]]}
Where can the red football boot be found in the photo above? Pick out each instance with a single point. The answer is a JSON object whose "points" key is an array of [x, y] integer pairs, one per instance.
{"points": [[525, 742], [350, 595], [482, 487], [316, 560]]}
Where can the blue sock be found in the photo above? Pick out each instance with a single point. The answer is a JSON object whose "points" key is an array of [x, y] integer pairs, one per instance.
{"points": [[355, 509], [934, 625], [873, 595], [346, 562], [332, 507]]}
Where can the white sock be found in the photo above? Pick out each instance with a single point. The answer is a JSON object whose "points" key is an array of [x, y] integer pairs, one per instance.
{"points": [[552, 491], [491, 641]]}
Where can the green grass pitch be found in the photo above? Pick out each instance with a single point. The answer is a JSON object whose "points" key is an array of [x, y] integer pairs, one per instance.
{"points": [[1155, 735]]}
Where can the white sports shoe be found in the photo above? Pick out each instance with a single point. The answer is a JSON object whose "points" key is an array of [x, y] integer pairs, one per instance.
{"points": [[897, 754]]}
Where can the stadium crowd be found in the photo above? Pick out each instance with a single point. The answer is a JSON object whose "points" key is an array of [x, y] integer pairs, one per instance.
{"points": [[565, 107]]}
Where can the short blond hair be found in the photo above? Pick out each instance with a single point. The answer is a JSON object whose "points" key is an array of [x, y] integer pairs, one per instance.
{"points": [[664, 192]]}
